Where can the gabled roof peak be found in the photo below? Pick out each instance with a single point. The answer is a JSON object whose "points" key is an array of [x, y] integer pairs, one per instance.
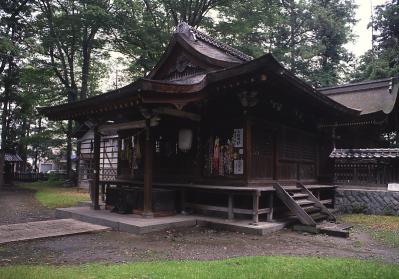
{"points": [[194, 34]]}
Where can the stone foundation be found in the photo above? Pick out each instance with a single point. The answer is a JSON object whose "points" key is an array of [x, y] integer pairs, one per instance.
{"points": [[378, 202]]}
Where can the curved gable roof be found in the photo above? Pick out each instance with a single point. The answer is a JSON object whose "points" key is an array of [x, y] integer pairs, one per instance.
{"points": [[207, 49], [367, 96]]}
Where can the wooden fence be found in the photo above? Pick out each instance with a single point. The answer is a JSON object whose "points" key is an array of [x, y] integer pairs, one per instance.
{"points": [[32, 176]]}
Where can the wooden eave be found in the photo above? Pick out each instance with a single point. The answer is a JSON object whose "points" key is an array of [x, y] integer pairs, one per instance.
{"points": [[158, 91]]}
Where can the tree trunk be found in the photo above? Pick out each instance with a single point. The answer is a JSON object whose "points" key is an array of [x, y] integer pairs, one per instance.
{"points": [[22, 147], [72, 93], [4, 130], [85, 72], [39, 128]]}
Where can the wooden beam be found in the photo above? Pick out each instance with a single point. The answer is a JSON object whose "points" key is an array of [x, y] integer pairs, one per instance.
{"points": [[106, 128], [148, 154], [178, 113], [225, 209]]}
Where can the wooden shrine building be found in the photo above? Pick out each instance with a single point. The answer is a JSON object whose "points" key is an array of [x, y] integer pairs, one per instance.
{"points": [[211, 129], [366, 147]]}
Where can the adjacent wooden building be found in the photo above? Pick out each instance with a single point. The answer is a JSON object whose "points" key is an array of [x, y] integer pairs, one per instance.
{"points": [[365, 147]]}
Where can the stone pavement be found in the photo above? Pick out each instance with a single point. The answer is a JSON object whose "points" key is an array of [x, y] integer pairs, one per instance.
{"points": [[44, 229]]}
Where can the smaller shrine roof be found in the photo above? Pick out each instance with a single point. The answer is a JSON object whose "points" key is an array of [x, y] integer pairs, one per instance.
{"points": [[365, 153], [367, 96], [12, 158]]}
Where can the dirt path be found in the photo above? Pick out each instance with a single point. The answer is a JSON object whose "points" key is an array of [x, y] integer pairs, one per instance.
{"points": [[19, 205], [192, 243], [195, 243]]}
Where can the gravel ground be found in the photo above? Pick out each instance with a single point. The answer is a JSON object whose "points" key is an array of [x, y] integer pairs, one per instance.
{"points": [[189, 243], [19, 205]]}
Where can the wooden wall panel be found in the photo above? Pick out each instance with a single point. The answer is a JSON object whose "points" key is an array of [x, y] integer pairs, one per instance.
{"points": [[262, 163]]}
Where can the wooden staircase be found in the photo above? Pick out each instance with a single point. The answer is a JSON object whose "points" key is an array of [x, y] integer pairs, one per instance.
{"points": [[308, 209]]}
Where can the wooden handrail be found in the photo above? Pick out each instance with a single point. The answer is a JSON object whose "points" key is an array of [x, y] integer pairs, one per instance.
{"points": [[317, 202]]}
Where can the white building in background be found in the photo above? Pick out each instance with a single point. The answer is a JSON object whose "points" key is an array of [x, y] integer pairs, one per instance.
{"points": [[108, 157]]}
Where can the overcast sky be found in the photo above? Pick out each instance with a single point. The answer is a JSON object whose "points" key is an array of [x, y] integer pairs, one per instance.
{"points": [[363, 42]]}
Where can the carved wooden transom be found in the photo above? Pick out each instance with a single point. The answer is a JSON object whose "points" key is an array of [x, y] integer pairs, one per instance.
{"points": [[183, 68]]}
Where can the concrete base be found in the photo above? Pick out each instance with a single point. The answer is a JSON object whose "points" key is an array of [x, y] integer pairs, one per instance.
{"points": [[139, 225], [332, 229], [45, 229]]}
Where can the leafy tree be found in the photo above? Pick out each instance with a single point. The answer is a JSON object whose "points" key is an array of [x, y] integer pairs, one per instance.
{"points": [[331, 24], [37, 87], [15, 42], [70, 33], [306, 36], [143, 28], [383, 60]]}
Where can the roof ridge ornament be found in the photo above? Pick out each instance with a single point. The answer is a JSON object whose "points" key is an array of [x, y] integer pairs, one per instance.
{"points": [[184, 27]]}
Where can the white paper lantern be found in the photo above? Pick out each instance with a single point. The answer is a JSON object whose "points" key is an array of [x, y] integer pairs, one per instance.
{"points": [[185, 139]]}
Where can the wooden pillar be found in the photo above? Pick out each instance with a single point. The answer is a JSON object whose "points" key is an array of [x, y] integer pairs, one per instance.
{"points": [[247, 148], [96, 169], [78, 147], [148, 156], [276, 166], [255, 207], [271, 206], [230, 207], [183, 201]]}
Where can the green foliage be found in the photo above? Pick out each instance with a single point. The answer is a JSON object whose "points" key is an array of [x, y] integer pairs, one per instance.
{"points": [[51, 193], [306, 36], [383, 60], [359, 208], [143, 28], [244, 267]]}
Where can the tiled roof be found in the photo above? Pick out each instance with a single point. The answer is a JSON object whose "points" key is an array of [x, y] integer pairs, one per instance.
{"points": [[12, 158], [184, 27], [365, 153]]}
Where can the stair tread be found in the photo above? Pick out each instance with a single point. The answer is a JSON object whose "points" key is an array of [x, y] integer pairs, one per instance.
{"points": [[293, 189], [299, 195], [309, 209], [304, 202], [318, 216]]}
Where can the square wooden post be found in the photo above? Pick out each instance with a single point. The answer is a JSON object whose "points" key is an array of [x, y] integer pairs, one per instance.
{"points": [[96, 170], [230, 206], [148, 157], [183, 201], [255, 207], [271, 206]]}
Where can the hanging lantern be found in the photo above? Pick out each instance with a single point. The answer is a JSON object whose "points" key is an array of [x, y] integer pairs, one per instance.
{"points": [[185, 139]]}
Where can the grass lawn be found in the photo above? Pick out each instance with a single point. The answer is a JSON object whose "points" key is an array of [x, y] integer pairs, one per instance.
{"points": [[51, 193], [244, 267], [384, 228]]}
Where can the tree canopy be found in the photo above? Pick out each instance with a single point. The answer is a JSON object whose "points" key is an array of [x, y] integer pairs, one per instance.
{"points": [[383, 60]]}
